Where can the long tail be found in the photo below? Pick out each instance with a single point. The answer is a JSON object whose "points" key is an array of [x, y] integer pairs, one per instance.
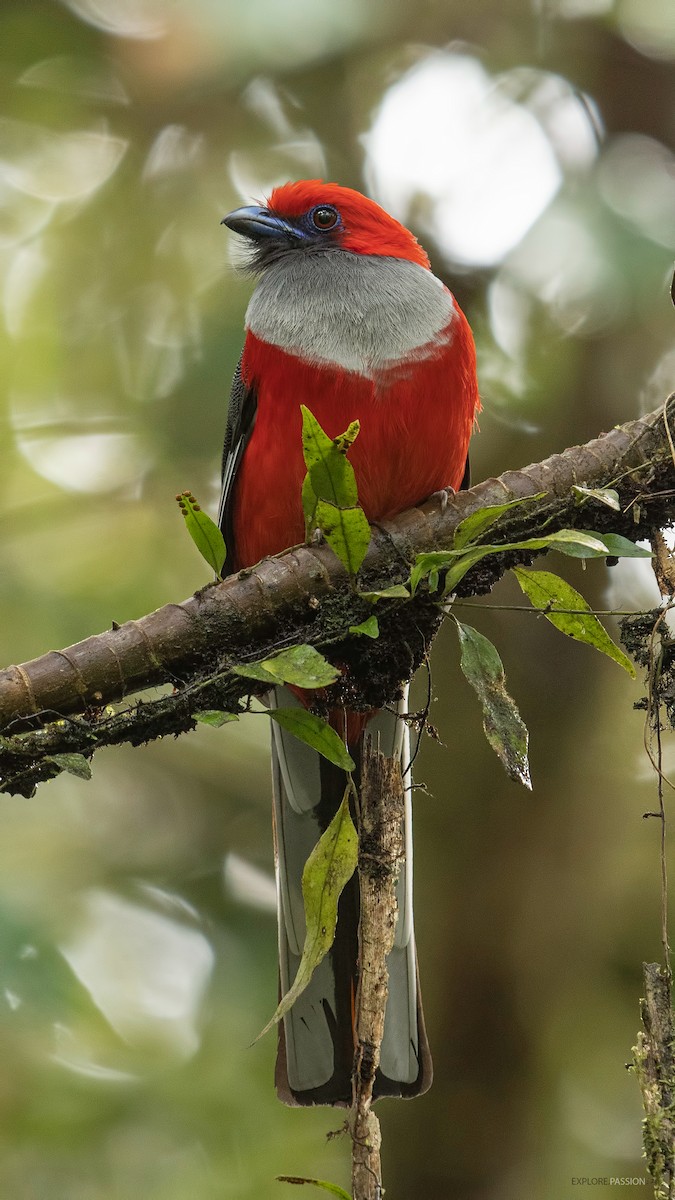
{"points": [[316, 1039]]}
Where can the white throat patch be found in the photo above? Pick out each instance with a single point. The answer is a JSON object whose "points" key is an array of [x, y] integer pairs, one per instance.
{"points": [[363, 313]]}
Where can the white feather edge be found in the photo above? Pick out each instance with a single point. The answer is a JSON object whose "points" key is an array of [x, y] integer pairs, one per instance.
{"points": [[309, 1049]]}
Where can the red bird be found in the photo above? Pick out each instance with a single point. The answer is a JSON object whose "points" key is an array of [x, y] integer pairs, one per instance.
{"points": [[348, 319]]}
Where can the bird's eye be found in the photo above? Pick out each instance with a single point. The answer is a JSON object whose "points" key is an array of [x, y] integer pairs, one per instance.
{"points": [[325, 217]]}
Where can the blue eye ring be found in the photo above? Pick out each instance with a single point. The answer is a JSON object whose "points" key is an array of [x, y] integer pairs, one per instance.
{"points": [[324, 217]]}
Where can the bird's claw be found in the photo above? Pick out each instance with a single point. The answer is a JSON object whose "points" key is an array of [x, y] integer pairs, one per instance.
{"points": [[443, 496]]}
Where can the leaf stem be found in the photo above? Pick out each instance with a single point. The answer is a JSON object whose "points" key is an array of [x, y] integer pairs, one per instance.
{"points": [[597, 612]]}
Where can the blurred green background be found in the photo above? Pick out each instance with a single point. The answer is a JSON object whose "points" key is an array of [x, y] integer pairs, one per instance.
{"points": [[530, 145]]}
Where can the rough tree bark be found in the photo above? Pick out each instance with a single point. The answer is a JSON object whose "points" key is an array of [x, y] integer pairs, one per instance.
{"points": [[655, 1069], [381, 852], [304, 595]]}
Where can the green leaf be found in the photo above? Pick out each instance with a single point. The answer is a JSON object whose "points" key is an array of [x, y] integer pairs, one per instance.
{"points": [[74, 764], [465, 560], [333, 1188], [368, 628], [316, 733], [329, 495], [622, 547], [575, 543], [329, 867], [214, 717], [301, 665], [586, 543], [476, 524], [309, 502], [331, 475], [344, 441], [603, 495], [397, 591], [255, 671], [204, 532], [463, 564], [429, 565], [549, 592], [347, 532], [503, 725]]}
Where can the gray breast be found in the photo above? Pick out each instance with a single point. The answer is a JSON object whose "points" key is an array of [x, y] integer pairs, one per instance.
{"points": [[362, 312]]}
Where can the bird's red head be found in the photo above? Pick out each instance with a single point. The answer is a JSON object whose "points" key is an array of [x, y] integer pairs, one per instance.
{"points": [[315, 215], [360, 224]]}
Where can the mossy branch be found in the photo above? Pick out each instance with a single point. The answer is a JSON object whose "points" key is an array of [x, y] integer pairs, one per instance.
{"points": [[654, 1065], [305, 595]]}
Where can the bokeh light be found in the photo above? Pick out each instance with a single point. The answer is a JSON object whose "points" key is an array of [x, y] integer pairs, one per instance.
{"points": [[530, 147], [448, 139]]}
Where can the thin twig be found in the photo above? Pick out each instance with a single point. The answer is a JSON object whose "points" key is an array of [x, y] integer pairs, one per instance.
{"points": [[572, 612], [653, 723]]}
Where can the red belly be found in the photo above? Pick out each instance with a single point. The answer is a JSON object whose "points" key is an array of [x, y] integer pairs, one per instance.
{"points": [[416, 421]]}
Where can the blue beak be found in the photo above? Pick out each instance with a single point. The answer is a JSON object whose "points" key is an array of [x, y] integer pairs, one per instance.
{"points": [[258, 224]]}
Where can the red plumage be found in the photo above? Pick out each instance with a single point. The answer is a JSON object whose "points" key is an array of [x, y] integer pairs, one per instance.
{"points": [[416, 421], [348, 320], [365, 229]]}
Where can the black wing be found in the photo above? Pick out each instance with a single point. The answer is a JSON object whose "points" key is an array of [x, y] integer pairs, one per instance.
{"points": [[466, 478], [240, 421]]}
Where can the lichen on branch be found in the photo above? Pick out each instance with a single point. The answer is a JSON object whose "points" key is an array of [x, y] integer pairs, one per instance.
{"points": [[305, 595]]}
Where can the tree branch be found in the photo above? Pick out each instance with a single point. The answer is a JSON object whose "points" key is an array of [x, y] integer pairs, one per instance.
{"points": [[304, 595], [381, 815], [655, 1069]]}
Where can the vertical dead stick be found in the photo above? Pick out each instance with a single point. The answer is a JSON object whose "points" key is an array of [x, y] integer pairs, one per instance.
{"points": [[381, 849], [655, 1070]]}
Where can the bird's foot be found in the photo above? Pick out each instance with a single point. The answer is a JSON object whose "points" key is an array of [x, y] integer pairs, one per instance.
{"points": [[443, 496]]}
